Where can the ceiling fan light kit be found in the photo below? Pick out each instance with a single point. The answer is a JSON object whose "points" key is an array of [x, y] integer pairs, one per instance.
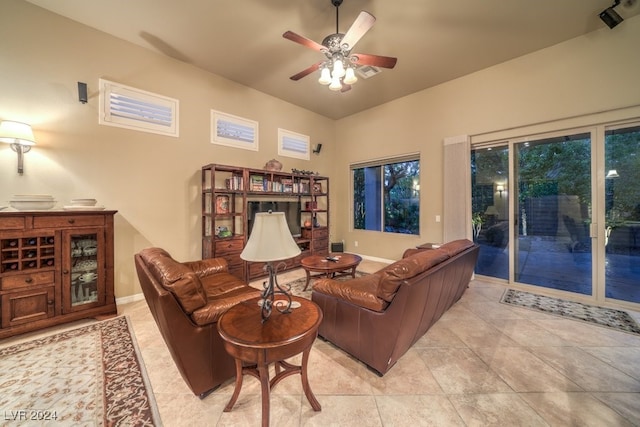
{"points": [[337, 70]]}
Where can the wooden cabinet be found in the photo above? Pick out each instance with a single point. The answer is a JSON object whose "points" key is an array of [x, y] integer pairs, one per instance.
{"points": [[55, 267], [228, 195]]}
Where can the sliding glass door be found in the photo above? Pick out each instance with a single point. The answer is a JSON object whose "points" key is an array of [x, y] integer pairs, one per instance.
{"points": [[561, 211], [622, 213], [490, 208], [553, 211]]}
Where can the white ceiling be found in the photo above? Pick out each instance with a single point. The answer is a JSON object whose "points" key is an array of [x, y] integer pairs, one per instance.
{"points": [[434, 40]]}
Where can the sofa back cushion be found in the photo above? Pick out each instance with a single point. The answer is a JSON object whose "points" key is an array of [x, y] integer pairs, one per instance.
{"points": [[406, 268], [456, 246], [175, 277]]}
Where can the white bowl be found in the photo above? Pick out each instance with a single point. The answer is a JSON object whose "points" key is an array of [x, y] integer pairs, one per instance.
{"points": [[83, 202], [31, 197], [32, 205]]}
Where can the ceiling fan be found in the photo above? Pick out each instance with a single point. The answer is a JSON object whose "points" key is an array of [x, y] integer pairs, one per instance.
{"points": [[337, 69]]}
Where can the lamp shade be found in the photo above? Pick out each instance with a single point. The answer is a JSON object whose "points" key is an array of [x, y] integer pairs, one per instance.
{"points": [[270, 239], [491, 210], [16, 133]]}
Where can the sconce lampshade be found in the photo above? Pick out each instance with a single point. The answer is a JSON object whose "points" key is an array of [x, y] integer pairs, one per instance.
{"points": [[270, 239], [16, 133]]}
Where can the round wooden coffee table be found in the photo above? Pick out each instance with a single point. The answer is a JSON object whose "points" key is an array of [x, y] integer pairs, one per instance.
{"points": [[256, 344], [345, 264]]}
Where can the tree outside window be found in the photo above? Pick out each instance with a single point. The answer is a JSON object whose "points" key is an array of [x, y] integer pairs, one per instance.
{"points": [[386, 196]]}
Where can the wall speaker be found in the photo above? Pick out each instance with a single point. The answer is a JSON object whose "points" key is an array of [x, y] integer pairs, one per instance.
{"points": [[82, 92], [317, 149], [610, 17]]}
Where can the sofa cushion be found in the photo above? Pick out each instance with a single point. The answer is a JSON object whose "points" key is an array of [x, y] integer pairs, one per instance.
{"points": [[177, 278], [360, 291], [456, 246], [220, 283], [218, 305], [394, 274]]}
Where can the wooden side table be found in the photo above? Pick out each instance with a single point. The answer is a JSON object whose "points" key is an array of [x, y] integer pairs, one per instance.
{"points": [[256, 345], [319, 263]]}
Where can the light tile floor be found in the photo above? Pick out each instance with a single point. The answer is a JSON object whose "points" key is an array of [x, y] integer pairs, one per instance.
{"points": [[483, 363]]}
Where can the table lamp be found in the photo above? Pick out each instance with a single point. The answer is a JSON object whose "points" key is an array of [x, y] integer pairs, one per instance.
{"points": [[270, 241]]}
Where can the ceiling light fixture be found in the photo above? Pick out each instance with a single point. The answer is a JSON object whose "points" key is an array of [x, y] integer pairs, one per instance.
{"points": [[338, 68], [610, 17], [20, 136]]}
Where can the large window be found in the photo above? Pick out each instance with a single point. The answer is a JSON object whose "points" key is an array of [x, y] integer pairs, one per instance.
{"points": [[386, 195]]}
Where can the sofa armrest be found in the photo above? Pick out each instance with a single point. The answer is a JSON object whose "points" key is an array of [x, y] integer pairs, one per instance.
{"points": [[360, 291], [207, 267]]}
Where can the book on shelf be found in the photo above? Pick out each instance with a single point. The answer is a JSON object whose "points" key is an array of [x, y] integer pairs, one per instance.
{"points": [[257, 183], [234, 183], [287, 185]]}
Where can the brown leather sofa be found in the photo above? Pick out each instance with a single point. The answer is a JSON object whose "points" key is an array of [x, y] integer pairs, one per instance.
{"points": [[378, 317], [186, 300]]}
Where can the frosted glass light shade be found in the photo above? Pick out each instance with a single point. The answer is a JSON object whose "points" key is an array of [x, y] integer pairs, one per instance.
{"points": [[336, 84], [338, 69], [325, 76], [350, 76], [270, 239]]}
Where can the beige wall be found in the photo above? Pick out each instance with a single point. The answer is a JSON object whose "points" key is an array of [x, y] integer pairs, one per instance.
{"points": [[153, 181], [593, 73]]}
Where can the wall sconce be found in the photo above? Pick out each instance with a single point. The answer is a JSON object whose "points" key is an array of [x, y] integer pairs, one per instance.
{"points": [[20, 136], [500, 189]]}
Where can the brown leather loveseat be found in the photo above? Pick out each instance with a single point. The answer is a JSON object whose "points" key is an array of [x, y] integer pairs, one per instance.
{"points": [[186, 300], [378, 317]]}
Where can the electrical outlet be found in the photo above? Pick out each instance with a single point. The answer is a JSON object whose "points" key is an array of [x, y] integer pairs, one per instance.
{"points": [[437, 218], [355, 243]]}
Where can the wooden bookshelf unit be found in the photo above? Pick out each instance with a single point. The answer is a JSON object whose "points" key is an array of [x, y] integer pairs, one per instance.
{"points": [[228, 191]]}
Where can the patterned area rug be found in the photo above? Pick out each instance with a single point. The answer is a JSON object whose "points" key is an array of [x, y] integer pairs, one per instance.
{"points": [[92, 375], [602, 316], [297, 285]]}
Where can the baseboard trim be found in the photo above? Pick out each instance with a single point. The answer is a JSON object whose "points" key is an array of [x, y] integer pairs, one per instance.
{"points": [[129, 299], [376, 259]]}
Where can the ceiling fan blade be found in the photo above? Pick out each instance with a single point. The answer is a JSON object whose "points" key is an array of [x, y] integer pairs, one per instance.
{"points": [[290, 35], [360, 26], [345, 87], [306, 71], [376, 60]]}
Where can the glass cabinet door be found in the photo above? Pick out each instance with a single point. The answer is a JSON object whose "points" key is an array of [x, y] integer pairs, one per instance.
{"points": [[83, 274]]}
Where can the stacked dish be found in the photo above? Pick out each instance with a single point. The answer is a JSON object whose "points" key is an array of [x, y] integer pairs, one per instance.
{"points": [[83, 205], [32, 202]]}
